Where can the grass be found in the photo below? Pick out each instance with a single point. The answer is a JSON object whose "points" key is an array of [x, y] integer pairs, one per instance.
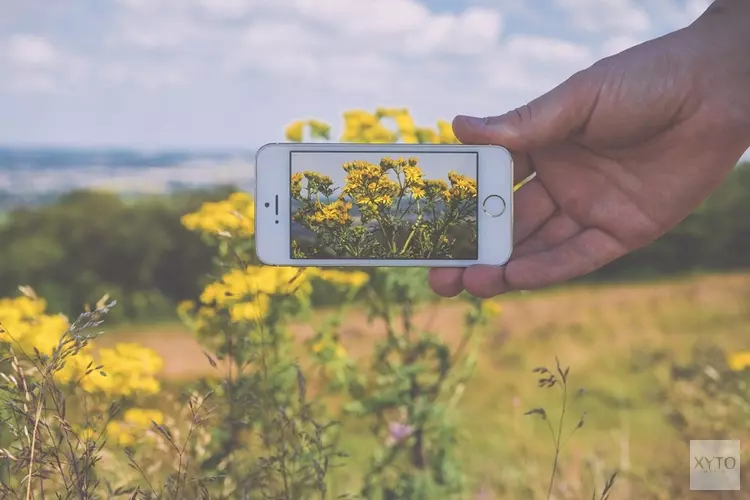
{"points": [[609, 335]]}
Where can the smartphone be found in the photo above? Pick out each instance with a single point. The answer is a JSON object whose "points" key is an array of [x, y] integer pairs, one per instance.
{"points": [[360, 205]]}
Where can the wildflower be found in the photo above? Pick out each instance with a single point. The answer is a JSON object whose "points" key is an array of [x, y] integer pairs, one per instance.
{"points": [[490, 308], [235, 215], [353, 279], [294, 131], [445, 133], [296, 187], [462, 188], [27, 325], [134, 426], [398, 432], [739, 361], [129, 368]]}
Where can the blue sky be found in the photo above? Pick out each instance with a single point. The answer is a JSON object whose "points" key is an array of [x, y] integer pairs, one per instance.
{"points": [[212, 74]]}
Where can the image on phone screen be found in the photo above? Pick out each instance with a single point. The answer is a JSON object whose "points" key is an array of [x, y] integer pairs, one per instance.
{"points": [[381, 206]]}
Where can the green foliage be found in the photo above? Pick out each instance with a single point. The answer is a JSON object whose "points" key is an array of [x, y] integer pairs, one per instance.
{"points": [[90, 243], [409, 391]]}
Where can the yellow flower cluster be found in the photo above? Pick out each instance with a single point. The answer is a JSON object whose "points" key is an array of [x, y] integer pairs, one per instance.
{"points": [[490, 308], [136, 425], [445, 133], [462, 188], [369, 185], [739, 361], [410, 133], [235, 216], [128, 368], [361, 126], [318, 130], [336, 213], [26, 326], [348, 279], [246, 294]]}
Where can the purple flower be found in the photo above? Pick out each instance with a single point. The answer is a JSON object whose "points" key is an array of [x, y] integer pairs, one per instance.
{"points": [[397, 432]]}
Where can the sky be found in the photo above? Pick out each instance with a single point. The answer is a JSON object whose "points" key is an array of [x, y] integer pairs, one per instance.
{"points": [[216, 74], [434, 165]]}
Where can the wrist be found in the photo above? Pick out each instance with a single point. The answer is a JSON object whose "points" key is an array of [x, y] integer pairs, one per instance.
{"points": [[720, 41]]}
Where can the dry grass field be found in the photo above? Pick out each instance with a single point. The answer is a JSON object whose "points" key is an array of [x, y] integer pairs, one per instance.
{"points": [[610, 336]]}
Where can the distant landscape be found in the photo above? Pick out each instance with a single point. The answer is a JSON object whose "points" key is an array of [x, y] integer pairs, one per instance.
{"points": [[31, 177], [72, 243]]}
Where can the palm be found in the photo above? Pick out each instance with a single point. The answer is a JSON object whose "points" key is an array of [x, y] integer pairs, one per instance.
{"points": [[619, 161]]}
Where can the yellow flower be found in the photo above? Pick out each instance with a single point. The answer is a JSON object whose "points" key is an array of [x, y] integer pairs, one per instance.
{"points": [[134, 426], [413, 175], [142, 418], [294, 130], [426, 135], [246, 293], [340, 351], [462, 188], [297, 184], [235, 215], [353, 279], [361, 126], [185, 307], [445, 132], [739, 361], [26, 325], [491, 308], [129, 368], [250, 310], [120, 434]]}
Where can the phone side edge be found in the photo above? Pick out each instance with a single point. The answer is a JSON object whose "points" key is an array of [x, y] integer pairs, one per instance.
{"points": [[271, 178], [496, 178]]}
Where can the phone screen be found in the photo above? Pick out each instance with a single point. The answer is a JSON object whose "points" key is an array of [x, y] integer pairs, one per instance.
{"points": [[383, 206]]}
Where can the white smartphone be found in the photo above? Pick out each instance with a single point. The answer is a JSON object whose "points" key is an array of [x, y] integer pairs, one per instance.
{"points": [[359, 205]]}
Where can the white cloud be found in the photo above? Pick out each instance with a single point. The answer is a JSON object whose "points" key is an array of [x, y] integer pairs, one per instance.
{"points": [[147, 76], [606, 16], [227, 9], [532, 64], [35, 64], [31, 51]]}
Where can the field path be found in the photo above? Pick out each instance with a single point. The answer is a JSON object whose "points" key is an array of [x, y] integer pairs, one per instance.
{"points": [[614, 308]]}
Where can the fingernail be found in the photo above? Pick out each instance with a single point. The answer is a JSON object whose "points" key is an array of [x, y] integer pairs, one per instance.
{"points": [[472, 121]]}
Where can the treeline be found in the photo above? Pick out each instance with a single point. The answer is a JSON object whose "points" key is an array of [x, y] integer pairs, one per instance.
{"points": [[86, 244], [716, 237]]}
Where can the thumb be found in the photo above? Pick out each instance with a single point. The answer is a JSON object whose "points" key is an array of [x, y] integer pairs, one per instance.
{"points": [[548, 119]]}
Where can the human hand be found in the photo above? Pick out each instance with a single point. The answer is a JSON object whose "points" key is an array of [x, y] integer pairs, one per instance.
{"points": [[622, 151]]}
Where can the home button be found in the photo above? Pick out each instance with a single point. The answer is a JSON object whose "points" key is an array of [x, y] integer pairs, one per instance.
{"points": [[494, 205]]}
